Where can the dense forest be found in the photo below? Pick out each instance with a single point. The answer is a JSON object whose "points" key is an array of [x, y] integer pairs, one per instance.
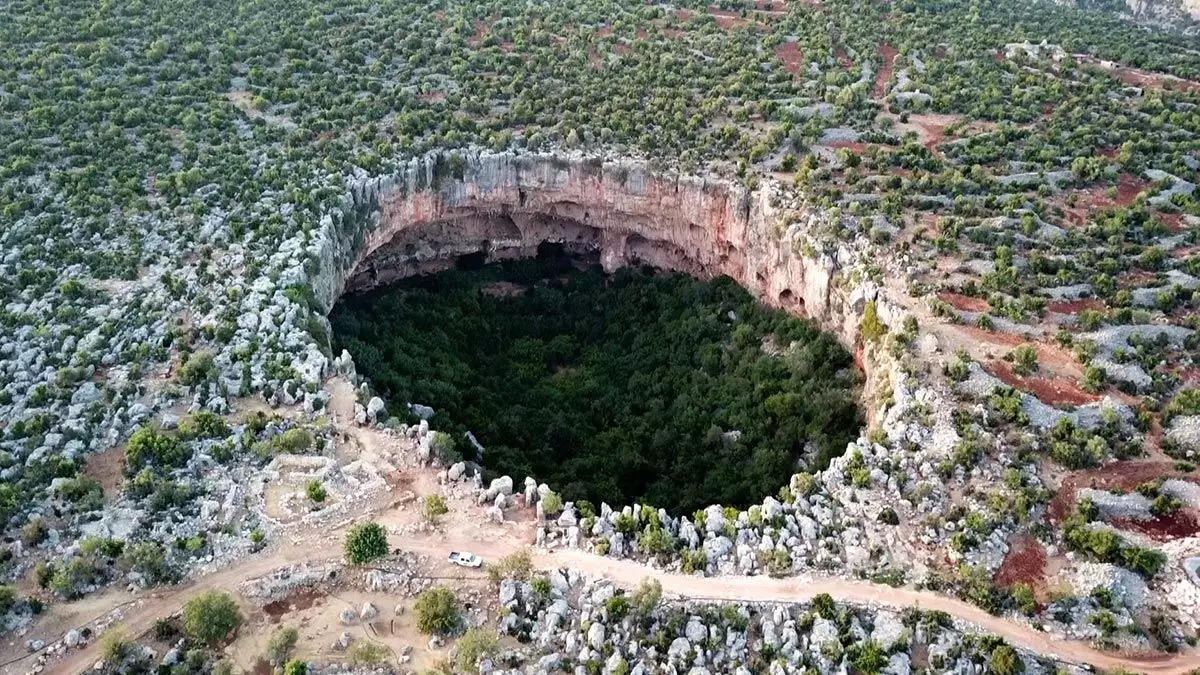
{"points": [[678, 392]]}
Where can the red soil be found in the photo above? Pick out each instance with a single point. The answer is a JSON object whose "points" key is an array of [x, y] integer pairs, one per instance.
{"points": [[888, 53], [993, 337], [964, 303], [1026, 561], [728, 20], [1119, 476], [481, 31], [604, 31], [841, 55], [1135, 279], [1173, 221], [1092, 200], [1182, 523], [1074, 306], [621, 48], [1051, 391], [789, 53], [641, 34]]}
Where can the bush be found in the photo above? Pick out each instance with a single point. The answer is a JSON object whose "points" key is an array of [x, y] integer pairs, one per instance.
{"points": [[1022, 594], [617, 607], [1024, 360], [281, 644], [197, 368], [824, 606], [473, 646], [203, 424], [517, 565], [366, 542], [114, 645], [366, 654], [434, 507], [8, 598], [871, 327], [210, 617], [315, 491], [296, 667], [1006, 661], [147, 447], [34, 532], [552, 504], [437, 611], [645, 598]]}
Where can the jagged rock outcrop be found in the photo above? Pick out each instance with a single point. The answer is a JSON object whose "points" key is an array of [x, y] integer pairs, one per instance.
{"points": [[496, 206]]}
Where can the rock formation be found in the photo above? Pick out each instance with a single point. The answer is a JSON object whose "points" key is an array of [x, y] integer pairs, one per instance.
{"points": [[441, 210]]}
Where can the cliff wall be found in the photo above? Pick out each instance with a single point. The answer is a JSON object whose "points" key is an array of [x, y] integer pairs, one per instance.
{"points": [[495, 206]]}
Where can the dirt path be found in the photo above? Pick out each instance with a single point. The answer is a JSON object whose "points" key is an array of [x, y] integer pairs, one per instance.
{"points": [[466, 530], [141, 617]]}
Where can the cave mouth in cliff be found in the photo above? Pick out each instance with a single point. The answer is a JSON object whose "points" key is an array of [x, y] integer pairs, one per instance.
{"points": [[637, 386]]}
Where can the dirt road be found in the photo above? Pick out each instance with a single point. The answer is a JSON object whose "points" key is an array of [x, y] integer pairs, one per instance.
{"points": [[465, 530], [140, 617]]}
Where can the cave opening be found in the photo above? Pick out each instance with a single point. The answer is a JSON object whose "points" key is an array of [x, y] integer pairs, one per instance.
{"points": [[637, 386]]}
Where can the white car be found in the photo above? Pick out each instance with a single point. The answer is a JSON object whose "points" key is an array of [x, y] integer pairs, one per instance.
{"points": [[463, 559]]}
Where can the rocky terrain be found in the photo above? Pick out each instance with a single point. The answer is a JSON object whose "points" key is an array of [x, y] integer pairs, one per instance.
{"points": [[996, 213]]}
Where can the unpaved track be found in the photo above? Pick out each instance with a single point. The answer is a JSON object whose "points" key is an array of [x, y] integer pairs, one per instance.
{"points": [[493, 542], [626, 573]]}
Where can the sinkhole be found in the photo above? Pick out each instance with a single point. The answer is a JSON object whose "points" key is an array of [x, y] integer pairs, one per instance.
{"points": [[636, 386]]}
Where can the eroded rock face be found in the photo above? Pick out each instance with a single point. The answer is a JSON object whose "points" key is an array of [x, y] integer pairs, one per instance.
{"points": [[497, 206]]}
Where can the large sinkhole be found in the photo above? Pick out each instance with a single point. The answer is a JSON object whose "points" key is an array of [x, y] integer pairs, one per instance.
{"points": [[640, 386]]}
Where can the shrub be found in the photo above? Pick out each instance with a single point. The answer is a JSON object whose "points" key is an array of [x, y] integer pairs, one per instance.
{"points": [[34, 532], [434, 507], [824, 606], [645, 598], [368, 654], [475, 645], [197, 368], [552, 504], [281, 644], [871, 327], [366, 542], [694, 561], [114, 645], [315, 490], [617, 607], [871, 658], [210, 617], [1022, 594], [203, 424], [1024, 360], [296, 667], [517, 565], [437, 611], [147, 447], [1005, 661], [8, 598]]}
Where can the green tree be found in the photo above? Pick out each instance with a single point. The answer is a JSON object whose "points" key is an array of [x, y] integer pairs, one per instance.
{"points": [[473, 646], [1006, 661], [437, 611], [366, 542], [210, 617], [281, 644]]}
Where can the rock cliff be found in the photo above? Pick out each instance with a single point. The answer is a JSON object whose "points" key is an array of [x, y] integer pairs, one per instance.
{"points": [[493, 206]]}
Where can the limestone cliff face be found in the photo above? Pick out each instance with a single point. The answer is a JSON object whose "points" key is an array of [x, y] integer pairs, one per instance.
{"points": [[495, 206]]}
